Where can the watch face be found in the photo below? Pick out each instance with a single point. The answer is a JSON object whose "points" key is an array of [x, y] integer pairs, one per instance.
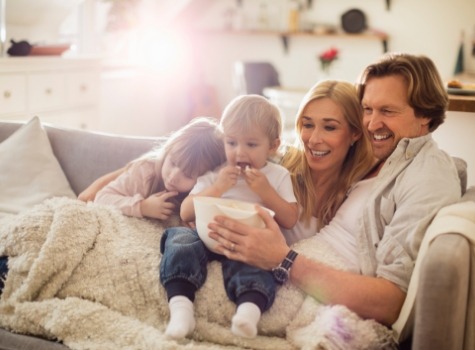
{"points": [[281, 274]]}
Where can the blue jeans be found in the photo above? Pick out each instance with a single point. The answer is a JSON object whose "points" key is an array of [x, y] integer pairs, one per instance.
{"points": [[183, 270], [3, 271]]}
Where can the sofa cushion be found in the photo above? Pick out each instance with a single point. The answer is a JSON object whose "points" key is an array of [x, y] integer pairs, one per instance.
{"points": [[29, 171], [461, 166]]}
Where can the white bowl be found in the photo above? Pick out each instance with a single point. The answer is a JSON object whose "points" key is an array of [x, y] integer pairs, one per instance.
{"points": [[207, 208]]}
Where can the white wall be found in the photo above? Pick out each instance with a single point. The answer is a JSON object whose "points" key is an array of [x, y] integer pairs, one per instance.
{"points": [[422, 27], [428, 27], [457, 137]]}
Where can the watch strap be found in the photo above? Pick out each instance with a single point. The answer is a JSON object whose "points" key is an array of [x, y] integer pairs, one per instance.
{"points": [[282, 272], [289, 259]]}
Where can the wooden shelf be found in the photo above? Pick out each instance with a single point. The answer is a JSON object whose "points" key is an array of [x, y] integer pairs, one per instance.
{"points": [[286, 35], [461, 103]]}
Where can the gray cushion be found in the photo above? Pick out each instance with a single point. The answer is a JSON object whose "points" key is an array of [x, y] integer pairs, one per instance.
{"points": [[462, 172]]}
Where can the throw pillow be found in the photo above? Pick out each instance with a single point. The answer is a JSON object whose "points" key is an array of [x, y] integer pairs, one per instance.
{"points": [[29, 171]]}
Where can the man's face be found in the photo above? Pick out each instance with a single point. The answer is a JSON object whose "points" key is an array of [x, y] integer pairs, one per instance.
{"points": [[388, 116]]}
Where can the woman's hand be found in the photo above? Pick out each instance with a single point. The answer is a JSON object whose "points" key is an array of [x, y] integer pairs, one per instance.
{"points": [[157, 205], [264, 248]]}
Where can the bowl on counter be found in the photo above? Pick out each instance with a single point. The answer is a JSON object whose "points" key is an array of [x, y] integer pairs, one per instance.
{"points": [[49, 50]]}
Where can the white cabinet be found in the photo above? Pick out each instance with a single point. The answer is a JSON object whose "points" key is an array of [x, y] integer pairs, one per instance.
{"points": [[12, 93], [46, 91], [63, 91]]}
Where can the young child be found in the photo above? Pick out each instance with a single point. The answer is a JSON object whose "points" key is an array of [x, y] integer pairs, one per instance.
{"points": [[155, 184], [251, 126]]}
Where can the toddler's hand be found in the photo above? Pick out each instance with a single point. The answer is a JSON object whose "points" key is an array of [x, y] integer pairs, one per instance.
{"points": [[227, 178], [256, 180]]}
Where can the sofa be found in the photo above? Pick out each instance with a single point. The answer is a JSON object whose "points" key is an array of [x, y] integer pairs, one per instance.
{"points": [[442, 305]]}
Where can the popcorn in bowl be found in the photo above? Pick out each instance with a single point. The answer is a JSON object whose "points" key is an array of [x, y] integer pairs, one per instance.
{"points": [[207, 208]]}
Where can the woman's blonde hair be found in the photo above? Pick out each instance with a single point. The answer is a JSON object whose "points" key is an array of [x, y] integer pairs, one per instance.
{"points": [[245, 112], [195, 149], [356, 165]]}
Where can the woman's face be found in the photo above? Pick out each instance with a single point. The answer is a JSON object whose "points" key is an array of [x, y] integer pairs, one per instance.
{"points": [[174, 179], [326, 135]]}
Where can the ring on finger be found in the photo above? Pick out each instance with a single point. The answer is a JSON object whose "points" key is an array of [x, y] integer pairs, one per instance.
{"points": [[233, 247]]}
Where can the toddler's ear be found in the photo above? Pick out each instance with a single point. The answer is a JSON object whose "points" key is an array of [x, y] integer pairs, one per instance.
{"points": [[275, 145]]}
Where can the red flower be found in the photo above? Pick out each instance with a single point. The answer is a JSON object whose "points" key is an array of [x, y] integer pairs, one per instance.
{"points": [[327, 57]]}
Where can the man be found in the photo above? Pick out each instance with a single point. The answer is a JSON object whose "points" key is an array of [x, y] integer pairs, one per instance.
{"points": [[404, 100]]}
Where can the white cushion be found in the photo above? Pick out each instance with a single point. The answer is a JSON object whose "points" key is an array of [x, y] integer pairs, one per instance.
{"points": [[29, 171]]}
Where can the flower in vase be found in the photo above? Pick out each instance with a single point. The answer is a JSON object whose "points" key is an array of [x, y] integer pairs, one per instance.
{"points": [[327, 57]]}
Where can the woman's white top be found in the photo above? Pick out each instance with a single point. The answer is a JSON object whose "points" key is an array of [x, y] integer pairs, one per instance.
{"points": [[341, 232], [300, 230]]}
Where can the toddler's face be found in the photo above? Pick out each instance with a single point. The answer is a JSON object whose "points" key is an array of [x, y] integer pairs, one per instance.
{"points": [[251, 148], [174, 179]]}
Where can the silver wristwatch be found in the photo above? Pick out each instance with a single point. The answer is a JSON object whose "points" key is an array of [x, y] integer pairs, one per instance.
{"points": [[282, 272]]}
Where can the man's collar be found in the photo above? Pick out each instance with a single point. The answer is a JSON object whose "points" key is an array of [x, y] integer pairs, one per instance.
{"points": [[410, 147]]}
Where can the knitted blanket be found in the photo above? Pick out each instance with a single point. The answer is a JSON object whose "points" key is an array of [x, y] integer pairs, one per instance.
{"points": [[87, 276]]}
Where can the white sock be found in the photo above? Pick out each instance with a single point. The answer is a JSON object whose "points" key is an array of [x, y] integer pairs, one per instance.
{"points": [[182, 318], [244, 323]]}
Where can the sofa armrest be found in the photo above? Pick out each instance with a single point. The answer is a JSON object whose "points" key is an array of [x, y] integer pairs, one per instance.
{"points": [[441, 302]]}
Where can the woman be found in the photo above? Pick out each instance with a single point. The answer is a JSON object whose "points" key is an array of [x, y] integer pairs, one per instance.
{"points": [[331, 155]]}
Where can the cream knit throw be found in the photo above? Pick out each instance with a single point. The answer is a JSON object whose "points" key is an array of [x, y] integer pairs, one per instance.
{"points": [[88, 276]]}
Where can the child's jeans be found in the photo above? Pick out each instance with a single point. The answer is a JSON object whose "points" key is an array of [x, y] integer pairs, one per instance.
{"points": [[3, 271], [185, 258]]}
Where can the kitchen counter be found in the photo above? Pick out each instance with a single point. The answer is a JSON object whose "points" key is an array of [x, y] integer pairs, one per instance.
{"points": [[461, 103]]}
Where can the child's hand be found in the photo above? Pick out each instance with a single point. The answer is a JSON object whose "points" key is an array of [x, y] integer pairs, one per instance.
{"points": [[227, 178], [157, 205], [256, 180]]}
